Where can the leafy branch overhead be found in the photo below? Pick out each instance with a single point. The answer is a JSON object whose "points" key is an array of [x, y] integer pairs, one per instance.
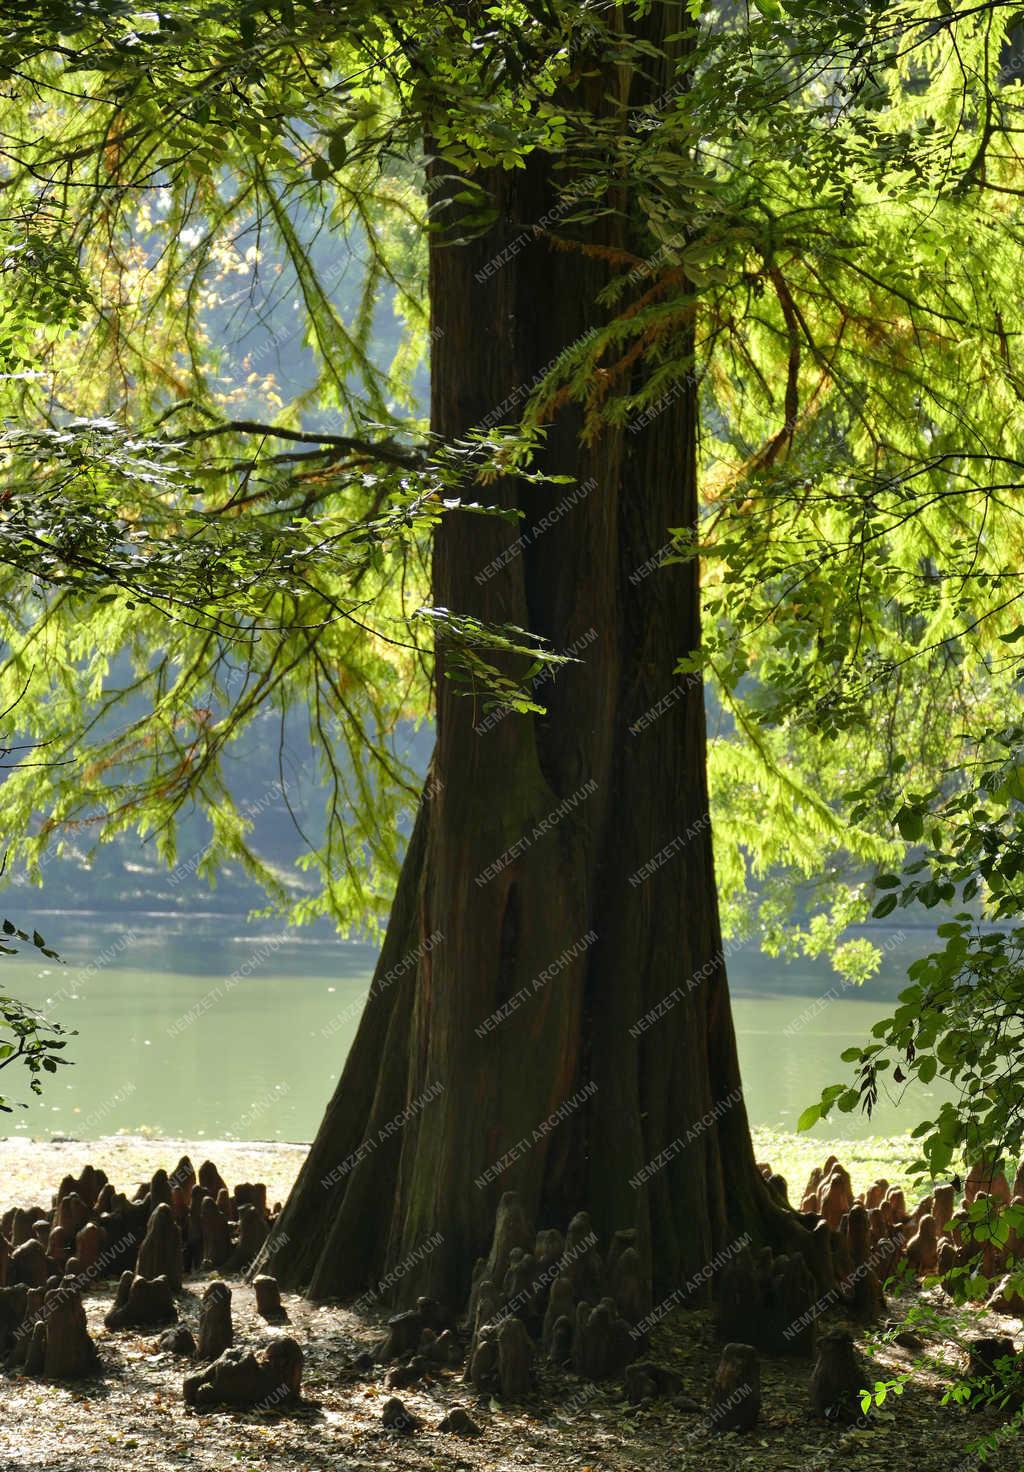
{"points": [[218, 493]]}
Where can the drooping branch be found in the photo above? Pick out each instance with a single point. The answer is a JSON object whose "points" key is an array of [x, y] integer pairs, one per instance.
{"points": [[384, 450]]}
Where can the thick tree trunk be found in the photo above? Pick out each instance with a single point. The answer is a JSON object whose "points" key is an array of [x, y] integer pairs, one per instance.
{"points": [[565, 859]]}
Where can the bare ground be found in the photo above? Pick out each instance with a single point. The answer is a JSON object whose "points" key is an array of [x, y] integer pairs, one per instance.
{"points": [[133, 1417]]}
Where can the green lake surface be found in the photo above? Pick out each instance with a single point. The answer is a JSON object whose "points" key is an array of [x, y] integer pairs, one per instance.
{"points": [[213, 1026]]}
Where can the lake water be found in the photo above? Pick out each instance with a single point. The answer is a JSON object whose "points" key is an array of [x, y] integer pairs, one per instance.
{"points": [[216, 1027]]}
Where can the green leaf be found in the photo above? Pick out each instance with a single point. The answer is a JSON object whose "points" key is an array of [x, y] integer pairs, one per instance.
{"points": [[337, 148], [910, 823]]}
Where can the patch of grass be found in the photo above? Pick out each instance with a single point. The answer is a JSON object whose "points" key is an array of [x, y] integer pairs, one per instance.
{"points": [[794, 1156]]}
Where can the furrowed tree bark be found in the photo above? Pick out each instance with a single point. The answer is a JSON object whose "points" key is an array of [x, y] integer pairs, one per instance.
{"points": [[565, 858]]}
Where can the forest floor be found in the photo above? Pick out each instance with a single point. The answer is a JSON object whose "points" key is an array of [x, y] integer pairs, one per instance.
{"points": [[134, 1417]]}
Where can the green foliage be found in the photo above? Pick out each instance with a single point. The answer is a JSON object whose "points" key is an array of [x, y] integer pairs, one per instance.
{"points": [[827, 237], [198, 548], [880, 1392], [959, 1018], [25, 1036], [1000, 1390], [42, 290]]}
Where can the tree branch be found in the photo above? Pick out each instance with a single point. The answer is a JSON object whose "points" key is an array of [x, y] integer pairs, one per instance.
{"points": [[381, 450]]}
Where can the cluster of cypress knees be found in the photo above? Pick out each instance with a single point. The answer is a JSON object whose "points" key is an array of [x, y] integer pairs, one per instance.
{"points": [[537, 1295], [178, 1223], [934, 1238]]}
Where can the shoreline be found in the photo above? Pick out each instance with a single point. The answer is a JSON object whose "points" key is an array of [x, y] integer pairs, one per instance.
{"points": [[32, 1169]]}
